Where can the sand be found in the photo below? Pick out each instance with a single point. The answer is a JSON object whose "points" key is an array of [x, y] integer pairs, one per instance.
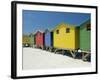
{"points": [[40, 59]]}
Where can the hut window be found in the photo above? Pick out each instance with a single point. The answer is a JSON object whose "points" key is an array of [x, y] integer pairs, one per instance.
{"points": [[88, 27], [67, 30], [57, 31]]}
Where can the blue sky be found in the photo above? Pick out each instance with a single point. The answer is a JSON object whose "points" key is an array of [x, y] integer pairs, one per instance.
{"points": [[41, 20]]}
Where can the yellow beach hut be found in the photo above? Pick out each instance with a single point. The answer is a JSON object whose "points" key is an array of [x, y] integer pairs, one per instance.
{"points": [[66, 36]]}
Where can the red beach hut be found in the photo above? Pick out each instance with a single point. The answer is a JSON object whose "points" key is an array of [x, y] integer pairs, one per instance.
{"points": [[39, 39]]}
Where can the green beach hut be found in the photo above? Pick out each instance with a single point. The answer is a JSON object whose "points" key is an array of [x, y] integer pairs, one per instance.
{"points": [[31, 37], [85, 36]]}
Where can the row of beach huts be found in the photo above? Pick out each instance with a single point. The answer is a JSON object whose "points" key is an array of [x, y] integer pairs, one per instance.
{"points": [[64, 37]]}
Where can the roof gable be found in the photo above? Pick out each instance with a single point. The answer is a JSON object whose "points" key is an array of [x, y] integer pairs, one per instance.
{"points": [[39, 32], [64, 25]]}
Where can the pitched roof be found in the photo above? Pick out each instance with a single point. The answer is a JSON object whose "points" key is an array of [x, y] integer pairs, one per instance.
{"points": [[59, 25], [39, 31], [83, 22]]}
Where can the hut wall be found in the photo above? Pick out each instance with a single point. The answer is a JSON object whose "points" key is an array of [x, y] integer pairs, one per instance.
{"points": [[31, 40], [48, 39], [40, 39], [34, 39], [65, 40], [77, 43], [26, 39]]}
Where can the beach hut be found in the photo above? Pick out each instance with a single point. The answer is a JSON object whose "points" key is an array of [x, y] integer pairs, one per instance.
{"points": [[39, 39], [85, 36], [26, 41], [31, 38], [66, 36], [48, 40], [34, 39], [85, 39]]}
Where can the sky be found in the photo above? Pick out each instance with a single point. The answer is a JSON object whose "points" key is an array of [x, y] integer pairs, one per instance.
{"points": [[33, 21]]}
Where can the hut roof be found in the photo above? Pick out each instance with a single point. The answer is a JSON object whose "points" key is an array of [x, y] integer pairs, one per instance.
{"points": [[72, 25], [39, 31], [59, 25], [84, 22]]}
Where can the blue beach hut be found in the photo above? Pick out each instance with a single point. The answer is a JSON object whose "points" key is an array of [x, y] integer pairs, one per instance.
{"points": [[48, 40]]}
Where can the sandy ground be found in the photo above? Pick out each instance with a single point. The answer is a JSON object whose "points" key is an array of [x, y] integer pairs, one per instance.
{"points": [[40, 59]]}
